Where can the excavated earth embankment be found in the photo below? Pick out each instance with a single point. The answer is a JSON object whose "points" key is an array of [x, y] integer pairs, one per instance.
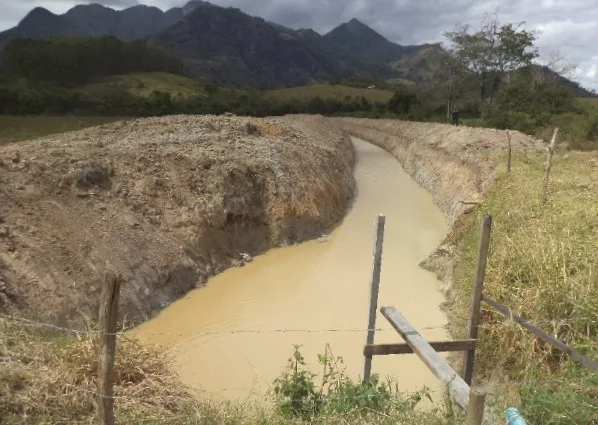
{"points": [[167, 202], [454, 164]]}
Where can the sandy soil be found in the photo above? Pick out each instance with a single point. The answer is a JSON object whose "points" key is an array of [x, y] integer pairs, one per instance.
{"points": [[167, 202]]}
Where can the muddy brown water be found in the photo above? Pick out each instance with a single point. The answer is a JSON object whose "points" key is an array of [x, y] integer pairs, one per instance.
{"points": [[313, 294]]}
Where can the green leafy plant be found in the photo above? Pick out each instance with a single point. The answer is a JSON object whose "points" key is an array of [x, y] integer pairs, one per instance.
{"points": [[298, 395], [295, 389]]}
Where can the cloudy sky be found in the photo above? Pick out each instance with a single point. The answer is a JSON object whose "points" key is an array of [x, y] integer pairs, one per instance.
{"points": [[569, 26]]}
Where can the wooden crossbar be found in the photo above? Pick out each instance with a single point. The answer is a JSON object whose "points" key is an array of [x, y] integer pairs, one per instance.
{"points": [[438, 365], [559, 345], [439, 346]]}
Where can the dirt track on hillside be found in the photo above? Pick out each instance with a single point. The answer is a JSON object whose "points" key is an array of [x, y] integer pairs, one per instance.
{"points": [[167, 202]]}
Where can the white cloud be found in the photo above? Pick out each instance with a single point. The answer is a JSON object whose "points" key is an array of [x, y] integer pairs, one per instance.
{"points": [[569, 26]]}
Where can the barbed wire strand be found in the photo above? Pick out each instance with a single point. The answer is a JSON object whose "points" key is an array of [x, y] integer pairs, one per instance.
{"points": [[132, 331]]}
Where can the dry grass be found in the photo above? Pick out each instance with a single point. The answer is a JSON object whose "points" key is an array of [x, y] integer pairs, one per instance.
{"points": [[542, 261], [543, 265], [52, 379]]}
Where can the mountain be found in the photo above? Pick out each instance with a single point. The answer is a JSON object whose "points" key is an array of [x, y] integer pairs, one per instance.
{"points": [[232, 47], [421, 65], [97, 20], [41, 23], [576, 88], [366, 44]]}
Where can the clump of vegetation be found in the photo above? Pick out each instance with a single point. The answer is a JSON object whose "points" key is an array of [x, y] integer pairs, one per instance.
{"points": [[299, 396]]}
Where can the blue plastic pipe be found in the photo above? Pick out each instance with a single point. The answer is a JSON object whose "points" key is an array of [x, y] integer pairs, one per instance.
{"points": [[514, 417]]}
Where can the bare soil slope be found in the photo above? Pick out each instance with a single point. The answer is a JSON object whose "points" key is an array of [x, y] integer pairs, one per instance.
{"points": [[167, 202], [454, 164]]}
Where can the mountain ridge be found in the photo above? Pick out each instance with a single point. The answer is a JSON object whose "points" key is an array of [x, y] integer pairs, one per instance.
{"points": [[232, 47], [139, 21]]}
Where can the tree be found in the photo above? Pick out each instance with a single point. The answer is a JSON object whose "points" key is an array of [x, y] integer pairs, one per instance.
{"points": [[453, 73], [493, 51], [402, 101], [317, 106]]}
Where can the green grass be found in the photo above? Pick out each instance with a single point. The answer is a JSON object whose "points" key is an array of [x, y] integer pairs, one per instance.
{"points": [[144, 84], [19, 128], [330, 91]]}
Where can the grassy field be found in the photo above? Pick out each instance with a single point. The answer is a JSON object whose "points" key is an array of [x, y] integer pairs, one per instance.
{"points": [[19, 128], [543, 265], [144, 84], [330, 91]]}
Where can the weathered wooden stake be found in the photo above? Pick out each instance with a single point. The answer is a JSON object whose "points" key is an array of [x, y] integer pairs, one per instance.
{"points": [[551, 149], [475, 408], [478, 287], [374, 290], [108, 315], [510, 151]]}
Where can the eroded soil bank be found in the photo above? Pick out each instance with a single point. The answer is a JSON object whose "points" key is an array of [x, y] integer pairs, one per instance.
{"points": [[231, 339], [167, 202], [454, 164]]}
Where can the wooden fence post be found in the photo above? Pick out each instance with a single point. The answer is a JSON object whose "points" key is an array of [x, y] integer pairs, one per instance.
{"points": [[108, 316], [374, 290], [475, 408], [478, 287], [551, 149], [510, 151]]}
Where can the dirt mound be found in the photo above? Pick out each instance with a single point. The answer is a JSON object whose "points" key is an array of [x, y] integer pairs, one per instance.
{"points": [[167, 202]]}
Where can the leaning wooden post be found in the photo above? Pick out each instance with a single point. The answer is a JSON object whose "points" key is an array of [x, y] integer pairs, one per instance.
{"points": [[374, 290], [475, 407], [478, 287], [509, 152], [551, 149], [108, 315]]}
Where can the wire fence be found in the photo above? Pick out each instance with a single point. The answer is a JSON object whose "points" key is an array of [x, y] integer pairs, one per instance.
{"points": [[126, 395], [133, 331]]}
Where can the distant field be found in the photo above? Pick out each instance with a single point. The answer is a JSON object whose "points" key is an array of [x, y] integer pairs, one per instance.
{"points": [[145, 84], [329, 91], [16, 129]]}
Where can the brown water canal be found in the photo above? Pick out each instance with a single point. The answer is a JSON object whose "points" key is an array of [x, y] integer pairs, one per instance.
{"points": [[306, 294]]}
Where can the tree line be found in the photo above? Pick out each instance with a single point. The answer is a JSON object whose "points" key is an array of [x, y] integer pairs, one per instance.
{"points": [[26, 99], [69, 62]]}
